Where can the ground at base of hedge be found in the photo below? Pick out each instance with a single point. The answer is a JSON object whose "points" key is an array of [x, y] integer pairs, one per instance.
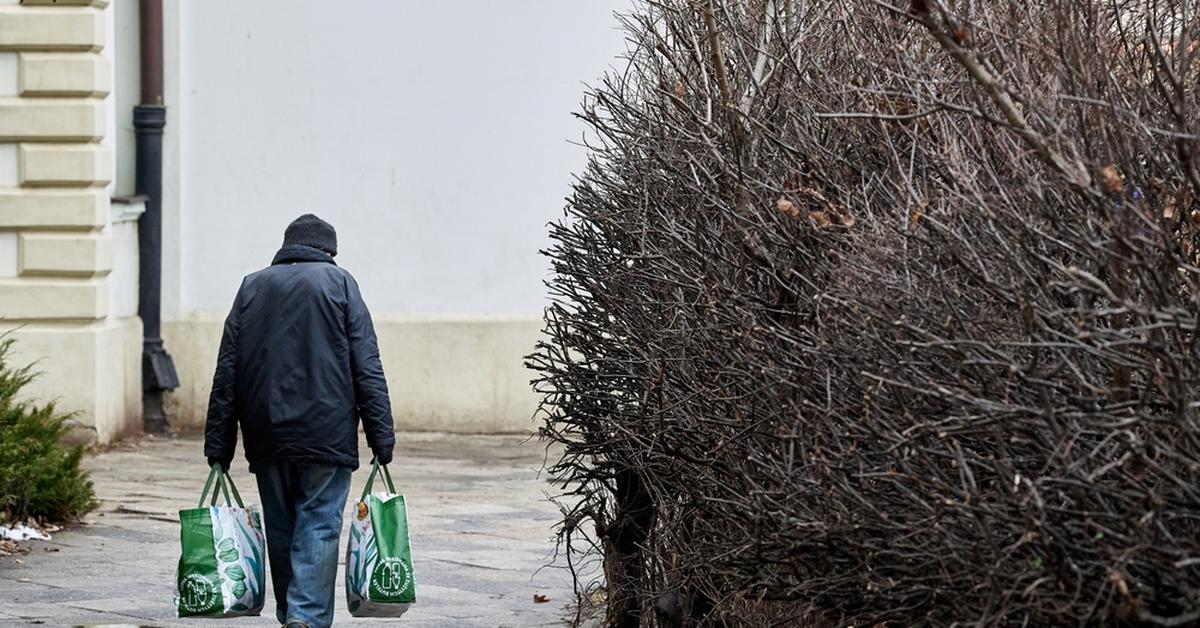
{"points": [[479, 519]]}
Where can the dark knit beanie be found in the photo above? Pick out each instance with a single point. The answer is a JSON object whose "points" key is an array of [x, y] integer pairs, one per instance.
{"points": [[308, 230]]}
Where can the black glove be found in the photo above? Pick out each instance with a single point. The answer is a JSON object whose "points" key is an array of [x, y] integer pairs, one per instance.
{"points": [[383, 456], [224, 463]]}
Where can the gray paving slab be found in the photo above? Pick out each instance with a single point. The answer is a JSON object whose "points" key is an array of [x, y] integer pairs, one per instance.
{"points": [[480, 522]]}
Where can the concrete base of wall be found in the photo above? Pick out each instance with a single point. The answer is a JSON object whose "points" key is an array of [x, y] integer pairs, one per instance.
{"points": [[465, 376], [92, 370]]}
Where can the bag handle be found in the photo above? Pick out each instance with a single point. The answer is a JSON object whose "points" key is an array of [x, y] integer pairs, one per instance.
{"points": [[208, 484], [387, 479], [224, 485]]}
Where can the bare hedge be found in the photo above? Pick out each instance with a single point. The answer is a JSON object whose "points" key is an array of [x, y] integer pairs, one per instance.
{"points": [[877, 313]]}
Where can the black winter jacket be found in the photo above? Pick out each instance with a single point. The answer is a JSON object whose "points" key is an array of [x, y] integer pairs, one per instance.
{"points": [[298, 367]]}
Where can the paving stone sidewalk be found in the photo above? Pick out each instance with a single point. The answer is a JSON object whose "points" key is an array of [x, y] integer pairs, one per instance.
{"points": [[479, 519]]}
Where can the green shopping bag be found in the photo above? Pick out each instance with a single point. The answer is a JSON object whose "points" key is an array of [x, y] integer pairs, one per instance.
{"points": [[221, 567], [379, 570]]}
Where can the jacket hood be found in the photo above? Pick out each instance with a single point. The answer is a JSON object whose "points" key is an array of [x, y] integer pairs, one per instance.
{"points": [[292, 253]]}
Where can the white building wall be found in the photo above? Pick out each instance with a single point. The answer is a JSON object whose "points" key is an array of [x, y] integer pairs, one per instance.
{"points": [[436, 137]]}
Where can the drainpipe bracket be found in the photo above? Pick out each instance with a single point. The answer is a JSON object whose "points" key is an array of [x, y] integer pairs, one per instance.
{"points": [[128, 208], [149, 119]]}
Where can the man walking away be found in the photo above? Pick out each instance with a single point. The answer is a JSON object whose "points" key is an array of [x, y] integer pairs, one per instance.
{"points": [[298, 367]]}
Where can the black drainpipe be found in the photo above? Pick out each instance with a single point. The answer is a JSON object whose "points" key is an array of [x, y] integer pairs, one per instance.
{"points": [[149, 118]]}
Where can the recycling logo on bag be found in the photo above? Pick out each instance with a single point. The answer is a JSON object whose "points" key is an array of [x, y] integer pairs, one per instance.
{"points": [[198, 594], [391, 577]]}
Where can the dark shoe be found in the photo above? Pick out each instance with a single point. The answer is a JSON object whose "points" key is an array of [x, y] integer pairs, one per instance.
{"points": [[296, 624]]}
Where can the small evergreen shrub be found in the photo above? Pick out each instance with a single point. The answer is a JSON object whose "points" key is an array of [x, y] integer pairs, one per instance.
{"points": [[39, 477]]}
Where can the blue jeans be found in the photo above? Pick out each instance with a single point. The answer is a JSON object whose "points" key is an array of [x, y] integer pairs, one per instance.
{"points": [[302, 507]]}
